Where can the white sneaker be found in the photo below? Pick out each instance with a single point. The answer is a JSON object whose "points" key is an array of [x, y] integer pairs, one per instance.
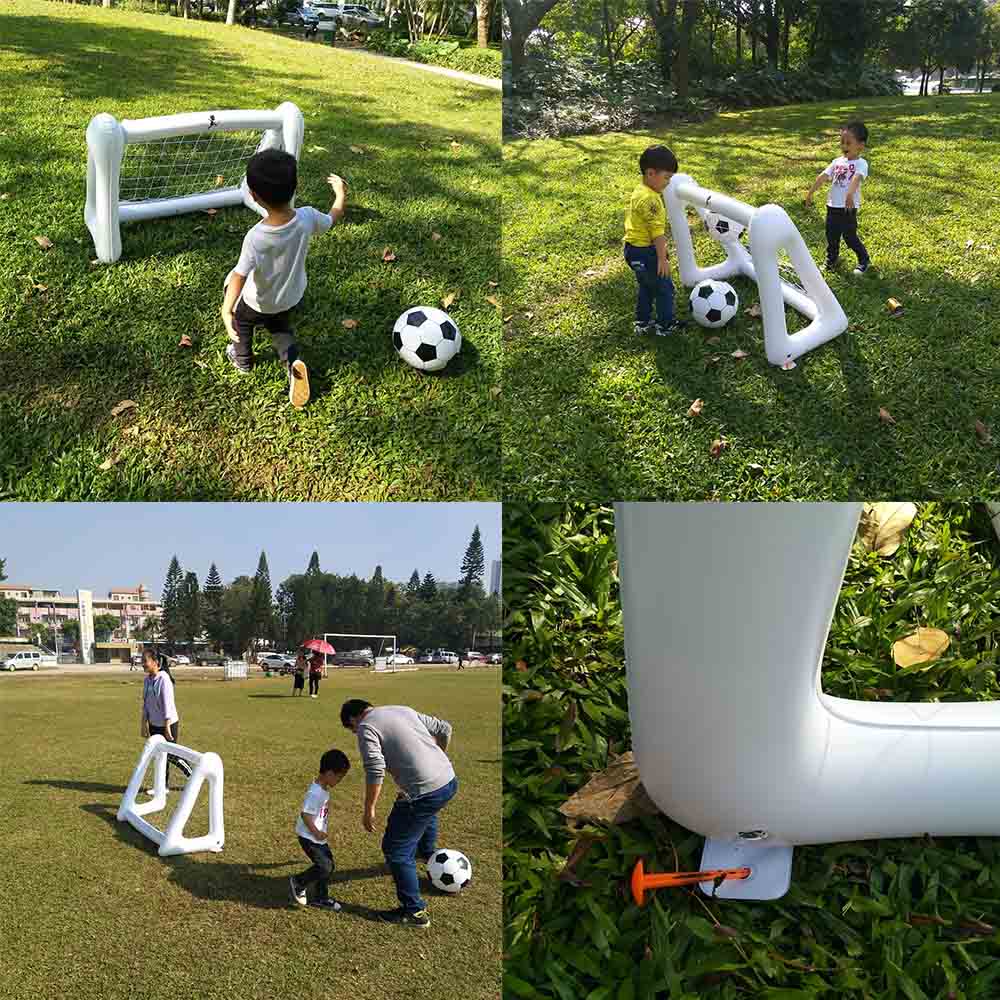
{"points": [[314, 696], [297, 893]]}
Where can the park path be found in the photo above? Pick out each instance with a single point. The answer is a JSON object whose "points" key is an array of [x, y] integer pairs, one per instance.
{"points": [[475, 78]]}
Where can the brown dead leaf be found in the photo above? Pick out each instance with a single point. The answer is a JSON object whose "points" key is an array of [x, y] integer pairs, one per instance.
{"points": [[696, 407], [754, 311], [44, 242], [493, 284], [107, 463], [521, 666], [349, 324], [456, 145], [133, 430], [435, 237], [714, 340], [220, 180], [615, 795], [507, 319], [125, 404], [983, 432], [579, 852], [718, 446], [185, 341], [493, 301], [923, 646], [40, 288], [388, 256], [739, 354], [885, 416], [356, 149], [495, 391], [884, 524], [448, 299], [211, 211]]}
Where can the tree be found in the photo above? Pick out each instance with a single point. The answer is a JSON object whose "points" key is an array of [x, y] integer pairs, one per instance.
{"points": [[170, 601], [104, 625], [8, 610], [690, 15], [71, 631], [237, 613], [313, 567], [211, 601], [523, 17], [484, 14], [413, 587], [428, 589], [231, 12], [263, 602], [375, 603], [189, 609], [473, 565]]}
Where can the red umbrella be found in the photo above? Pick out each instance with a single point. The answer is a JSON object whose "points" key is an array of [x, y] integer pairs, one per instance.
{"points": [[320, 646]]}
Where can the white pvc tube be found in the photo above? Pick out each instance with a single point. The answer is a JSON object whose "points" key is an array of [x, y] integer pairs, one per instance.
{"points": [[727, 609]]}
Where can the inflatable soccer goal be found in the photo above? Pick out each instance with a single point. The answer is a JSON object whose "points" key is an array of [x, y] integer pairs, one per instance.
{"points": [[148, 168], [771, 231], [727, 609], [171, 839]]}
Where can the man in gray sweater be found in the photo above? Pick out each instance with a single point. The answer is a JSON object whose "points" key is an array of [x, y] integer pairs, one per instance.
{"points": [[411, 747]]}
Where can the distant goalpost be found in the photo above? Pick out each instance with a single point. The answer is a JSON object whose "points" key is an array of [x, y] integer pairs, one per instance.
{"points": [[147, 168], [383, 653]]}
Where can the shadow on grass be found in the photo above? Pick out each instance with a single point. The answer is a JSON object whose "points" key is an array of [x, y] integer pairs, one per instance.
{"points": [[79, 786]]}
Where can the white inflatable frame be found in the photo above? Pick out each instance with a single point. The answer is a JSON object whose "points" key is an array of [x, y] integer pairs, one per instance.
{"points": [[207, 767], [770, 230], [234, 670], [727, 608], [106, 141]]}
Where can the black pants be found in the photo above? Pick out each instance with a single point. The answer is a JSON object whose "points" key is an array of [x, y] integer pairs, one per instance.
{"points": [[843, 222], [300, 683], [182, 765], [322, 865], [314, 683], [279, 325]]}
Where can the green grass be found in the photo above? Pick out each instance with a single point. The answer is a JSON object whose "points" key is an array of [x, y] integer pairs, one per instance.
{"points": [[592, 411], [91, 911], [97, 335], [870, 920]]}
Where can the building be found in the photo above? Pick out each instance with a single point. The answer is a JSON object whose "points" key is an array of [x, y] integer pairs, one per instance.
{"points": [[133, 607], [495, 577]]}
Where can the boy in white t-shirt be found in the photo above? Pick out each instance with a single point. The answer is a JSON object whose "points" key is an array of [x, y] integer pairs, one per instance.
{"points": [[845, 175], [269, 279], [311, 827]]}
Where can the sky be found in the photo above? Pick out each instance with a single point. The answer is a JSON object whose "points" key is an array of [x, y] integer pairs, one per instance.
{"points": [[98, 546]]}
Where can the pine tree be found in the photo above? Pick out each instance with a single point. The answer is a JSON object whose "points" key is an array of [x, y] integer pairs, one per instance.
{"points": [[375, 602], [211, 599], [190, 608], [263, 603], [313, 569], [170, 601], [429, 587], [473, 566], [414, 585]]}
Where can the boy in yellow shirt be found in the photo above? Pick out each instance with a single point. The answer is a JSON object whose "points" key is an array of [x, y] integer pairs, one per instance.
{"points": [[646, 243]]}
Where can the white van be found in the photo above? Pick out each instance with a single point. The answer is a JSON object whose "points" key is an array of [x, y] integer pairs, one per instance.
{"points": [[24, 660]]}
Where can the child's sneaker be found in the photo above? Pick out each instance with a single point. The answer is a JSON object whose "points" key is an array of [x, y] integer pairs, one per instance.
{"points": [[298, 383], [861, 270], [673, 327], [296, 891], [325, 904], [403, 918], [236, 363], [831, 265], [640, 329]]}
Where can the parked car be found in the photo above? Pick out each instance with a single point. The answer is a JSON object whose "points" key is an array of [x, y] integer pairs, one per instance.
{"points": [[300, 17], [210, 659], [354, 658], [496, 657], [398, 658], [276, 661], [180, 660], [347, 15], [473, 656], [23, 660]]}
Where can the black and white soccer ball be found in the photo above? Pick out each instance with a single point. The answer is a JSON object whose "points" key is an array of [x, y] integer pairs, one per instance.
{"points": [[722, 229], [714, 303], [427, 338], [449, 871]]}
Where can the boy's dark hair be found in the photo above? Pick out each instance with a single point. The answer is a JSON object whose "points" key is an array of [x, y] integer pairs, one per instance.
{"points": [[334, 760], [273, 174], [351, 709], [858, 130], [657, 158]]}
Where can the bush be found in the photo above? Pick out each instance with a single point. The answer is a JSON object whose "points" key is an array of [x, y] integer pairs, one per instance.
{"points": [[995, 88], [436, 52]]}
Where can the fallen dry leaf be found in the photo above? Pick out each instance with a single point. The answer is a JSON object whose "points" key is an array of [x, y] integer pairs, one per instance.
{"points": [[718, 446], [107, 463], [495, 391], [885, 416], [714, 340], [754, 311], [923, 646], [220, 180], [493, 284], [493, 301], [40, 288], [696, 407], [318, 149], [739, 354], [982, 432], [580, 849], [356, 149], [4, 196], [125, 404], [616, 795], [755, 470], [456, 145], [388, 256], [44, 242], [507, 319], [211, 211], [448, 299], [133, 430], [521, 666], [435, 237], [884, 524], [185, 341], [349, 324]]}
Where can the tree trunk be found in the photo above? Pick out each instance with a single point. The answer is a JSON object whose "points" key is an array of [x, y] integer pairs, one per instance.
{"points": [[231, 13], [483, 11], [516, 40], [606, 28], [681, 64], [739, 36], [771, 35], [784, 39], [941, 79], [665, 22]]}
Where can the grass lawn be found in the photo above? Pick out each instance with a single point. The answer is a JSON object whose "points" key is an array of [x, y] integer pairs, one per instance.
{"points": [[77, 338], [914, 918], [91, 911], [593, 411]]}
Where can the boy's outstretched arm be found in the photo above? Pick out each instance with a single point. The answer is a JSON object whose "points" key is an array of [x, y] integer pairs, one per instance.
{"points": [[340, 197], [821, 179], [233, 290], [662, 260], [851, 191]]}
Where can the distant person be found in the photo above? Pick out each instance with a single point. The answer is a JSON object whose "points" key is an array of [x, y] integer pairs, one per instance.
{"points": [[311, 827], [299, 673], [461, 664], [159, 710], [411, 747], [315, 673]]}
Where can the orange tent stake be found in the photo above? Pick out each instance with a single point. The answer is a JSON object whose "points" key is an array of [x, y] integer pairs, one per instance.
{"points": [[666, 880]]}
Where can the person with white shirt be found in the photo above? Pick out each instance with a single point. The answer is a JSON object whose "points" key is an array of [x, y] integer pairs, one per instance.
{"points": [[269, 279], [159, 708], [845, 175]]}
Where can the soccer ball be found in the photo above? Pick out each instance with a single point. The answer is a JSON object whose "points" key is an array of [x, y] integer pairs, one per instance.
{"points": [[722, 229], [449, 871], [714, 303], [426, 338]]}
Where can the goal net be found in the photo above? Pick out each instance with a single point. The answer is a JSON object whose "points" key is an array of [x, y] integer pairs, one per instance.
{"points": [[778, 260], [148, 168], [379, 652]]}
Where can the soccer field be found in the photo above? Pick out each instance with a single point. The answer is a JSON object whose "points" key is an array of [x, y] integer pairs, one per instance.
{"points": [[89, 910]]}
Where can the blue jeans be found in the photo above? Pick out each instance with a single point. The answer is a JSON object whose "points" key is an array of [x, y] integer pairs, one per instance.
{"points": [[412, 830], [322, 866], [652, 287]]}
